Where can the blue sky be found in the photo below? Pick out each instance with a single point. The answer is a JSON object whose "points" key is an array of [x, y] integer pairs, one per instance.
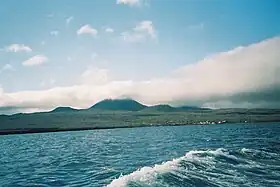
{"points": [[144, 40]]}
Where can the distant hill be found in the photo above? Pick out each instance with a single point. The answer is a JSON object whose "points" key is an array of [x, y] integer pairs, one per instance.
{"points": [[118, 104], [160, 108], [168, 108], [188, 108], [64, 109], [123, 105], [128, 105]]}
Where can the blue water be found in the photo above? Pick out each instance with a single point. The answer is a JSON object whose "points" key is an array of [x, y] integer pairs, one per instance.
{"points": [[216, 155]]}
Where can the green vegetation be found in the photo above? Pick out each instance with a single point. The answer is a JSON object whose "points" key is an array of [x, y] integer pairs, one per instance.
{"points": [[64, 109], [118, 105], [64, 118]]}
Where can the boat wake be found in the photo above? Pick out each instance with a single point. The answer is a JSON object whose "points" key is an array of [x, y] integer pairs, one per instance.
{"points": [[220, 167]]}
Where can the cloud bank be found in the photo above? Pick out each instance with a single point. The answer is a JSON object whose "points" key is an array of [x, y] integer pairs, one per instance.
{"points": [[247, 76]]}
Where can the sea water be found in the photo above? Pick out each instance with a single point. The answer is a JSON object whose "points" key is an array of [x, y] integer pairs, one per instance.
{"points": [[167, 156]]}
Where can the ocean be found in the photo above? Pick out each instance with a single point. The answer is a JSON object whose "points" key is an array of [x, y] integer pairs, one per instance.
{"points": [[166, 156]]}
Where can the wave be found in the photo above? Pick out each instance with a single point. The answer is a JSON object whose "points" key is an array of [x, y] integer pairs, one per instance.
{"points": [[218, 167]]}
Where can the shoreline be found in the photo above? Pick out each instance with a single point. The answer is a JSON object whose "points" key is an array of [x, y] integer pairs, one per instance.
{"points": [[48, 130]]}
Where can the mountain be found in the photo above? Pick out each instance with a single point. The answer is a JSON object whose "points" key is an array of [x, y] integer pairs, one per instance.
{"points": [[160, 108], [119, 104], [64, 109]]}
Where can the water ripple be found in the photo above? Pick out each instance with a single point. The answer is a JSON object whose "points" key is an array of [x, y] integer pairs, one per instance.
{"points": [[218, 155]]}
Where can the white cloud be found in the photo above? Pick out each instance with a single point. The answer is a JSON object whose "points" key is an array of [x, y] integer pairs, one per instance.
{"points": [[132, 2], [144, 30], [87, 29], [146, 27], [109, 30], [8, 67], [246, 76], [54, 33], [18, 48], [43, 43], [35, 60], [69, 20]]}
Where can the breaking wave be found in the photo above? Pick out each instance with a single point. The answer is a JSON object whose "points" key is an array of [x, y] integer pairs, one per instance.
{"points": [[220, 167]]}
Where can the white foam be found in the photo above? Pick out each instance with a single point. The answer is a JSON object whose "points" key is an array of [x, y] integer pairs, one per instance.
{"points": [[149, 174], [146, 174], [224, 153], [217, 152], [245, 150]]}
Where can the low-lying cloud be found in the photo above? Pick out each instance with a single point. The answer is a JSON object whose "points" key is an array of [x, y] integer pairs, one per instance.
{"points": [[247, 76]]}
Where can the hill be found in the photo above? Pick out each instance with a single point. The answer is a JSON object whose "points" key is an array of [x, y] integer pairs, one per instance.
{"points": [[102, 119], [188, 108], [118, 104], [64, 109], [168, 108], [160, 108]]}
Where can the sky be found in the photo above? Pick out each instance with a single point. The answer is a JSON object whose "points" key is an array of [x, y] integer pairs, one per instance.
{"points": [[217, 54]]}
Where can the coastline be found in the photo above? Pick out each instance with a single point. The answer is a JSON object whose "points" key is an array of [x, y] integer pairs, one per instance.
{"points": [[97, 119], [48, 130]]}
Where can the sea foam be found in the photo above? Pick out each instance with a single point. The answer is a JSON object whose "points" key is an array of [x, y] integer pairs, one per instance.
{"points": [[149, 174]]}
